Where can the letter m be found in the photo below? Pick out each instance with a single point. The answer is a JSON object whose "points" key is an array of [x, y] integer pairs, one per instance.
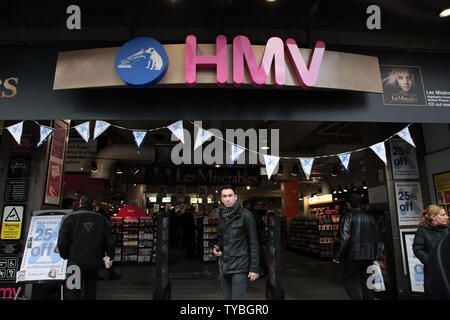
{"points": [[274, 51]]}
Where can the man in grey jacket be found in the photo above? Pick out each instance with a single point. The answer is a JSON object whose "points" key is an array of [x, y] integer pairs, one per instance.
{"points": [[237, 246]]}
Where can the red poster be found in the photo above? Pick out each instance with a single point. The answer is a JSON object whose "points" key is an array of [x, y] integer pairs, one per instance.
{"points": [[291, 198], [56, 162]]}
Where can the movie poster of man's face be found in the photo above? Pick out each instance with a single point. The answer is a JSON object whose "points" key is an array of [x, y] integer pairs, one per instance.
{"points": [[402, 85]]}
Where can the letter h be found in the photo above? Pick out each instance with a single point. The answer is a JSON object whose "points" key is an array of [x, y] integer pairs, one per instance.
{"points": [[193, 60]]}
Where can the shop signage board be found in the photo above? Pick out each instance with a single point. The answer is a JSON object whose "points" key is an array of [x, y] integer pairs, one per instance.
{"points": [[409, 202], [79, 155], [413, 264], [56, 163], [19, 167], [12, 222], [16, 190], [40, 261], [326, 198], [403, 160]]}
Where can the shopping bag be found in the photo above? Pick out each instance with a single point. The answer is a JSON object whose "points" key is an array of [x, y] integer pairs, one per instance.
{"points": [[375, 281]]}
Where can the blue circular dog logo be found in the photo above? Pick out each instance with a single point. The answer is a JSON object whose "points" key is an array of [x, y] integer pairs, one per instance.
{"points": [[141, 62]]}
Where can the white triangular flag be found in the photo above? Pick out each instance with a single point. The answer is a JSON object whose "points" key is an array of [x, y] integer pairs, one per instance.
{"points": [[405, 135], [177, 130], [16, 131], [100, 127], [236, 151], [380, 150], [345, 160], [271, 163], [307, 164], [83, 130], [202, 136], [45, 133], [139, 137]]}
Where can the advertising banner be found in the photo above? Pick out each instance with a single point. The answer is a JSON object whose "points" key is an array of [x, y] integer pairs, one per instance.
{"points": [[403, 160], [414, 266], [409, 202], [40, 261]]}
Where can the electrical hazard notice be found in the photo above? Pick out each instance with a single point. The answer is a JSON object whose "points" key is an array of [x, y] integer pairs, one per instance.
{"points": [[12, 222]]}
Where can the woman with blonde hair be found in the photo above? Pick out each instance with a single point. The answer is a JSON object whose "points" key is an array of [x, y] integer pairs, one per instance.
{"points": [[432, 228]]}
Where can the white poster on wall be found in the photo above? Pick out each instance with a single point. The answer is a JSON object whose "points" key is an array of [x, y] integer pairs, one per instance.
{"points": [[80, 155], [415, 267], [409, 203], [40, 261], [403, 160]]}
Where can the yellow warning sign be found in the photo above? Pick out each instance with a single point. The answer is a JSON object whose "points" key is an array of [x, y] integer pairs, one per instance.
{"points": [[12, 223], [11, 231]]}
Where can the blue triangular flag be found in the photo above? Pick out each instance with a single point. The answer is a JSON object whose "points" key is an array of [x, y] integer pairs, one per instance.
{"points": [[406, 135], [83, 130], [177, 130], [307, 164], [139, 137], [202, 136], [345, 160], [45, 132], [271, 163], [236, 151], [380, 150], [16, 131], [100, 127]]}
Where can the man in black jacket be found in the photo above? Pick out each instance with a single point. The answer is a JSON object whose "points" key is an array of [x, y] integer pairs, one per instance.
{"points": [[358, 246], [237, 246], [84, 237]]}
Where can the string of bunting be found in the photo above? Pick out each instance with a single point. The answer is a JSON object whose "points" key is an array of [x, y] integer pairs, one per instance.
{"points": [[271, 161]]}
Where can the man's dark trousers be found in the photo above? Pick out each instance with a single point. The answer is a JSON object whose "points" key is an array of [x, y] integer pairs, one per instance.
{"points": [[88, 286], [234, 285], [351, 270]]}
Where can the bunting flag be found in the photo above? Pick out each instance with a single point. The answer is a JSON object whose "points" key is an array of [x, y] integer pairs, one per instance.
{"points": [[16, 131], [83, 130], [380, 150], [45, 133], [139, 137], [177, 130], [202, 136], [405, 135], [345, 160], [307, 164], [100, 127], [271, 163], [236, 151]]}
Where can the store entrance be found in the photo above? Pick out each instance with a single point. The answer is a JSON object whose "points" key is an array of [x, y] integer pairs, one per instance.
{"points": [[131, 188]]}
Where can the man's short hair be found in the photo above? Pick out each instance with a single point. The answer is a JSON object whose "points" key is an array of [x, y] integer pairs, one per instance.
{"points": [[355, 200], [225, 187], [85, 200]]}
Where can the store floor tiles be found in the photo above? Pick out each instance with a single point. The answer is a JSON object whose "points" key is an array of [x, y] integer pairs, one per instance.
{"points": [[305, 277]]}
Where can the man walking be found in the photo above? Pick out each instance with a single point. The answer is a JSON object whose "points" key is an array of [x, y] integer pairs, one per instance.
{"points": [[358, 246], [237, 246], [84, 237]]}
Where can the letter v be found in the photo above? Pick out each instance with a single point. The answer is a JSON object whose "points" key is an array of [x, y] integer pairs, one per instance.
{"points": [[306, 77]]}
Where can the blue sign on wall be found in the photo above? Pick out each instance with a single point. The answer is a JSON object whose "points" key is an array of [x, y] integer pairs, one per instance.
{"points": [[141, 62]]}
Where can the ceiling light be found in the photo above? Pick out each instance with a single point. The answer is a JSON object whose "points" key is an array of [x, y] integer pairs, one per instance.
{"points": [[444, 13], [340, 190], [119, 170], [334, 173], [265, 148], [345, 188], [301, 197], [295, 170], [248, 187], [364, 185], [94, 166]]}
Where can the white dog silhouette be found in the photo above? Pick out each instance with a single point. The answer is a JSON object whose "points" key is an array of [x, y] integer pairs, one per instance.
{"points": [[155, 62]]}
